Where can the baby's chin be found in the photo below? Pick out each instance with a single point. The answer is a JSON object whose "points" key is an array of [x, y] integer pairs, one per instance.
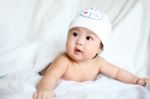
{"points": [[80, 60], [74, 57]]}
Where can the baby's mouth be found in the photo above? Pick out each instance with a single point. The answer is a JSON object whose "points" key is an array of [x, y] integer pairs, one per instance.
{"points": [[78, 50]]}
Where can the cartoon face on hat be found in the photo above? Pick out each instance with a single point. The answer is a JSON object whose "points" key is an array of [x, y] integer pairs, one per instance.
{"points": [[95, 21]]}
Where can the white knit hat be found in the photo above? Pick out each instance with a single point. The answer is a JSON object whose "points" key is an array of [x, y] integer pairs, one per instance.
{"points": [[95, 21]]}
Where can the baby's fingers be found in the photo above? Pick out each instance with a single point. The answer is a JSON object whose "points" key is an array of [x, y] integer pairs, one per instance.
{"points": [[141, 82], [48, 97], [43, 94], [35, 95], [147, 80], [39, 96]]}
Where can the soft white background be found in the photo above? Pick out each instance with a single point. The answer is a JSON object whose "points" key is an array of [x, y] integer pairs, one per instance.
{"points": [[42, 25], [33, 32]]}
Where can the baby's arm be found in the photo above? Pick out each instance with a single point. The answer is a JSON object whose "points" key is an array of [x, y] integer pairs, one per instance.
{"points": [[52, 75], [115, 72]]}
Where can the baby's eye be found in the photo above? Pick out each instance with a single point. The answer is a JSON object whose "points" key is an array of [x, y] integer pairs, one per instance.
{"points": [[75, 34], [89, 38]]}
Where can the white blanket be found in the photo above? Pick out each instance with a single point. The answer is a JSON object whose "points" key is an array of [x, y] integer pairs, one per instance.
{"points": [[22, 86]]}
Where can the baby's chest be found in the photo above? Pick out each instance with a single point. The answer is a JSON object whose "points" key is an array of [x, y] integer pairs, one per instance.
{"points": [[81, 73]]}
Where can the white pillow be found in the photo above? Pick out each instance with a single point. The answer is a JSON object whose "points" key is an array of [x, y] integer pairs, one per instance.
{"points": [[19, 59]]}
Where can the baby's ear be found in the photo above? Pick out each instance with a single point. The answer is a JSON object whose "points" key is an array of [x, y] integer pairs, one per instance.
{"points": [[101, 46]]}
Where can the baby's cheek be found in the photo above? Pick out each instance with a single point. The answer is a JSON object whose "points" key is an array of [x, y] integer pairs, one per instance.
{"points": [[91, 53]]}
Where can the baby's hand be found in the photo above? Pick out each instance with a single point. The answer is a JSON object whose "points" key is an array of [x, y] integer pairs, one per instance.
{"points": [[43, 94], [147, 80], [143, 81]]}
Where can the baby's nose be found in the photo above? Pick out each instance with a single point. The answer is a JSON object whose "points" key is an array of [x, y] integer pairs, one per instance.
{"points": [[80, 41]]}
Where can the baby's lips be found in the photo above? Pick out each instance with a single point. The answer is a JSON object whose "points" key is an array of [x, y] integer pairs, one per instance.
{"points": [[78, 50]]}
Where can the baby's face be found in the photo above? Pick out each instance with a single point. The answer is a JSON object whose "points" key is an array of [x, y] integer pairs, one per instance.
{"points": [[82, 44]]}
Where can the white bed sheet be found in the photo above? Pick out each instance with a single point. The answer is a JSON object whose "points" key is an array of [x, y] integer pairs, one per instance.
{"points": [[22, 86]]}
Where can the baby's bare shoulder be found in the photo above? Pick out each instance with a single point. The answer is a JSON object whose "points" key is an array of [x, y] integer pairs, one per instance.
{"points": [[102, 63], [62, 58], [100, 60]]}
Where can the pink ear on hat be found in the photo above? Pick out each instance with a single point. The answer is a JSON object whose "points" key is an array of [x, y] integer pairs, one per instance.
{"points": [[95, 21], [92, 13]]}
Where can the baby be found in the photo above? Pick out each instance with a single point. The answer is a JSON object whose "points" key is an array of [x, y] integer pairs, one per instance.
{"points": [[87, 35]]}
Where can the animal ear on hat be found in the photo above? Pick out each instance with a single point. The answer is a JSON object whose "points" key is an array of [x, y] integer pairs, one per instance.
{"points": [[92, 13]]}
